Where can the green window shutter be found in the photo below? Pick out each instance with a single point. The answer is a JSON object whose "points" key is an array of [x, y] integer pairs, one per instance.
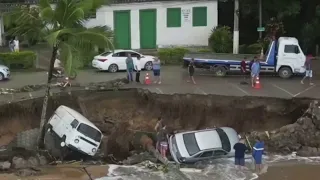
{"points": [[199, 16], [173, 17]]}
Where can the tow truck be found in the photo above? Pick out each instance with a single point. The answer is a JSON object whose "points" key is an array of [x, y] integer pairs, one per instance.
{"points": [[284, 58]]}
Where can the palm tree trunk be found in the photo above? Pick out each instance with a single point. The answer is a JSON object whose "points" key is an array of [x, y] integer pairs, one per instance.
{"points": [[43, 119]]}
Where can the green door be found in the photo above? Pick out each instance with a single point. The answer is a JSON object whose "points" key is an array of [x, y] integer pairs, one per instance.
{"points": [[122, 29], [148, 29]]}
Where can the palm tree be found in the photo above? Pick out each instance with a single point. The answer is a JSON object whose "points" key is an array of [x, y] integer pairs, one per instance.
{"points": [[62, 26]]}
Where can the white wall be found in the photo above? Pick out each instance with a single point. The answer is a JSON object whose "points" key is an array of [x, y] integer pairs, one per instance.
{"points": [[181, 36]]}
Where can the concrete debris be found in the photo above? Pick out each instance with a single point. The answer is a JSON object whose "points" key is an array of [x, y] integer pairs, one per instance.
{"points": [[303, 136], [5, 165]]}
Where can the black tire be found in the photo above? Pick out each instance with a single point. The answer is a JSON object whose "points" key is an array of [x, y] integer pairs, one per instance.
{"points": [[148, 66], [285, 72], [1, 76], [113, 68], [220, 71], [28, 139], [52, 144]]}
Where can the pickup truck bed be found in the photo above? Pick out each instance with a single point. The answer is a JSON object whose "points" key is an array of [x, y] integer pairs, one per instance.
{"points": [[218, 56]]}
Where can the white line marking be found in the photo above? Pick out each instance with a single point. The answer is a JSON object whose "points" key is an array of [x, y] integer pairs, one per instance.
{"points": [[283, 90], [159, 90], [202, 91], [304, 91], [239, 88]]}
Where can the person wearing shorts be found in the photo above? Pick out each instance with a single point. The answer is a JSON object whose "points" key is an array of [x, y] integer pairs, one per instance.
{"points": [[191, 69], [255, 70], [240, 149], [307, 65], [156, 65], [257, 153]]}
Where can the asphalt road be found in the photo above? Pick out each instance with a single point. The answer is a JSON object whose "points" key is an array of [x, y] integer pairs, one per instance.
{"points": [[174, 81]]}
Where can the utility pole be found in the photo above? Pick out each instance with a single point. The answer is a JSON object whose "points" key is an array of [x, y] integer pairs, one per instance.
{"points": [[260, 18], [236, 28], [1, 30]]}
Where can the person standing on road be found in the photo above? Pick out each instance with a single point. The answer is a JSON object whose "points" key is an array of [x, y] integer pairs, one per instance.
{"points": [[130, 66], [138, 69], [307, 65], [191, 69], [257, 153], [240, 149], [156, 65], [255, 70], [11, 45]]}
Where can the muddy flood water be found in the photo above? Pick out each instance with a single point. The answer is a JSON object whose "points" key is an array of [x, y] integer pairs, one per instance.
{"points": [[120, 114]]}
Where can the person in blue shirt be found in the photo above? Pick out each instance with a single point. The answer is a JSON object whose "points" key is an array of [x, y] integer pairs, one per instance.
{"points": [[255, 71], [240, 149], [257, 153], [156, 66]]}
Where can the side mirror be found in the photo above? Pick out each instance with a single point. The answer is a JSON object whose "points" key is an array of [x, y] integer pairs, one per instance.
{"points": [[142, 57]]}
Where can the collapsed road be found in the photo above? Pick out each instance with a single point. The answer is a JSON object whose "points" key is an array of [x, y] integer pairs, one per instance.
{"points": [[125, 114]]}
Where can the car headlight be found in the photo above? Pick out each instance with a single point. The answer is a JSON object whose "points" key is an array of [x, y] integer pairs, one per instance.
{"points": [[76, 141], [94, 150]]}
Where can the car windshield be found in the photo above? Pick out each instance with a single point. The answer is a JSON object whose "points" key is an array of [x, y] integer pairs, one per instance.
{"points": [[90, 132], [224, 140], [191, 143], [105, 54]]}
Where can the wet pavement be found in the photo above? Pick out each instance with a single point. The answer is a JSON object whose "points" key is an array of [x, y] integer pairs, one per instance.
{"points": [[174, 80]]}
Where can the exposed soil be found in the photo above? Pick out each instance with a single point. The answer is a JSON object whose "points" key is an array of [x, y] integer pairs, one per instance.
{"points": [[138, 110]]}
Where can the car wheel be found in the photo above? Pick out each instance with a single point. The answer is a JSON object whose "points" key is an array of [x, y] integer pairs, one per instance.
{"points": [[148, 66], [113, 68], [220, 71], [285, 72], [1, 76]]}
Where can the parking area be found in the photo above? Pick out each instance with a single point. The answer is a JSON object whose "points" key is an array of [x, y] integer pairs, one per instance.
{"points": [[175, 82]]}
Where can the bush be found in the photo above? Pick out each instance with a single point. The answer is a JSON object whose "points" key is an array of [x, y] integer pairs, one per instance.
{"points": [[19, 60], [220, 40], [172, 55]]}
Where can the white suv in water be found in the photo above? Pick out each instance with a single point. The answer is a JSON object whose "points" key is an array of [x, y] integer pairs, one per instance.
{"points": [[194, 146]]}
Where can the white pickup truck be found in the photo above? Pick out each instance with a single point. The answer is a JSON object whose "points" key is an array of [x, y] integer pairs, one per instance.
{"points": [[283, 57]]}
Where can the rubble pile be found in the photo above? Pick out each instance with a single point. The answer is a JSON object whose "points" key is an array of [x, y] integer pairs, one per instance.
{"points": [[302, 137]]}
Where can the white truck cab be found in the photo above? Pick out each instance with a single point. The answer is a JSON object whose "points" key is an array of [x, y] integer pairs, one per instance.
{"points": [[75, 130], [290, 57]]}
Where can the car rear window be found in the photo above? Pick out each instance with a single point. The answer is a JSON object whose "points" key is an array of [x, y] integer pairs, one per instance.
{"points": [[191, 143], [105, 54], [224, 140]]}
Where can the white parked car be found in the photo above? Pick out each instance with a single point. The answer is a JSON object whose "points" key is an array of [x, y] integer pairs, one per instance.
{"points": [[116, 60], [194, 146], [4, 72], [75, 131]]}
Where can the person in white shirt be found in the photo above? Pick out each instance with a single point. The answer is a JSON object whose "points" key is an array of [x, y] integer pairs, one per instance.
{"points": [[57, 66], [137, 67], [16, 44]]}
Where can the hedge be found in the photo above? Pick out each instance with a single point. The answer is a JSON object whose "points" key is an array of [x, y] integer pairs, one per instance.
{"points": [[19, 60], [172, 55]]}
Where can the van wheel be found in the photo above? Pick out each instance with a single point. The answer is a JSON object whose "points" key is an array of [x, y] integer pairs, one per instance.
{"points": [[51, 144], [285, 72]]}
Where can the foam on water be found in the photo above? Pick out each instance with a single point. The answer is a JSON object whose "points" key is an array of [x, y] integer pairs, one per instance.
{"points": [[219, 169]]}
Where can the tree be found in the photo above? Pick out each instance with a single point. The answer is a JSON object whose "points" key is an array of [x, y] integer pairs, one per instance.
{"points": [[62, 26]]}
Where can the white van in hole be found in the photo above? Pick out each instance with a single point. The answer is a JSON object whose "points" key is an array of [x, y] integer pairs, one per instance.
{"points": [[75, 130]]}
